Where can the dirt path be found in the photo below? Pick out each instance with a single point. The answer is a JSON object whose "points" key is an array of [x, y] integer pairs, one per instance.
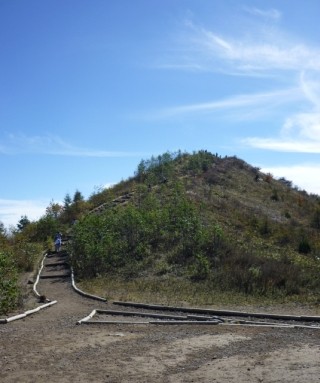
{"points": [[51, 347]]}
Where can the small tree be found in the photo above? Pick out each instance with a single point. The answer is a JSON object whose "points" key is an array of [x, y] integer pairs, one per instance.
{"points": [[23, 223], [54, 210], [77, 197], [2, 228], [67, 201], [46, 227]]}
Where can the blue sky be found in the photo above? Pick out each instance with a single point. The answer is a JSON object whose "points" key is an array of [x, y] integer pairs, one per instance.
{"points": [[88, 88]]}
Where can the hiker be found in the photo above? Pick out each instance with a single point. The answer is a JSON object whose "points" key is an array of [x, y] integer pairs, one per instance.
{"points": [[57, 242]]}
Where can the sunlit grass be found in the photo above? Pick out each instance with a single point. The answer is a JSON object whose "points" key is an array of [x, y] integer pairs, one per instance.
{"points": [[218, 232], [182, 292]]}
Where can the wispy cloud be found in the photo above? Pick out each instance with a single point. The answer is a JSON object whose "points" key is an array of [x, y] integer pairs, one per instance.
{"points": [[249, 55], [270, 99], [272, 13], [264, 51], [310, 84], [53, 145], [11, 211]]}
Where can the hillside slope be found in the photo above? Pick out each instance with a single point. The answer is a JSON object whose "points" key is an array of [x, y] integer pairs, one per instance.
{"points": [[205, 218]]}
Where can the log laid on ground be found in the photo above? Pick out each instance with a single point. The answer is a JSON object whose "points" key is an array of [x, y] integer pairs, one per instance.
{"points": [[188, 322], [26, 313], [150, 315], [91, 296], [220, 312]]}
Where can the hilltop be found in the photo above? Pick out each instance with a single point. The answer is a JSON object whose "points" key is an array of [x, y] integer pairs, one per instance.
{"points": [[205, 219]]}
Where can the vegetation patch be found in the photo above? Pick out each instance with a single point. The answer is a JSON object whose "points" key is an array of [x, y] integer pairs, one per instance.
{"points": [[205, 219], [8, 283], [199, 221]]}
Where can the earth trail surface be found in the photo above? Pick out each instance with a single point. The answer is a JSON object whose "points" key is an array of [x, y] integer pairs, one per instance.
{"points": [[50, 347]]}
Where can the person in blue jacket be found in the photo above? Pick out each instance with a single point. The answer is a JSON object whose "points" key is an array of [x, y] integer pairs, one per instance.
{"points": [[57, 242]]}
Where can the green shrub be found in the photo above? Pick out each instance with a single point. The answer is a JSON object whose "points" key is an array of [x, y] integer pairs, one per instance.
{"points": [[200, 269], [25, 254], [304, 246], [9, 291]]}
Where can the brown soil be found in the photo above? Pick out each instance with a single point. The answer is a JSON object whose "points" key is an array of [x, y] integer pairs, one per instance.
{"points": [[49, 346]]}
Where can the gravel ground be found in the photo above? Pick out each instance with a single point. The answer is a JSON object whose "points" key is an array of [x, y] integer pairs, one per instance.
{"points": [[49, 346]]}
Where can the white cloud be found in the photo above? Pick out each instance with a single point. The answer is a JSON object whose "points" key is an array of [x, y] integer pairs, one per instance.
{"points": [[272, 13], [304, 176], [52, 145], [303, 126], [300, 132], [264, 51], [264, 54], [310, 85], [12, 210], [109, 185], [268, 99], [279, 145]]}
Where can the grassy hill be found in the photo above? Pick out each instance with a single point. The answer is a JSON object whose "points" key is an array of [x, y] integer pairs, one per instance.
{"points": [[202, 220]]}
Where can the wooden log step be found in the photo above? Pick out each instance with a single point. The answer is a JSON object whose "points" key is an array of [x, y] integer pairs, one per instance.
{"points": [[51, 276], [62, 263]]}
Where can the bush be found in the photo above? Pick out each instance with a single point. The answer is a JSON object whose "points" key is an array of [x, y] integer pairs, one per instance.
{"points": [[9, 291], [25, 253], [304, 246], [200, 269]]}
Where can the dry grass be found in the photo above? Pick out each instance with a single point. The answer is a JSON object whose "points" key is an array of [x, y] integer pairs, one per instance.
{"points": [[182, 292]]}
